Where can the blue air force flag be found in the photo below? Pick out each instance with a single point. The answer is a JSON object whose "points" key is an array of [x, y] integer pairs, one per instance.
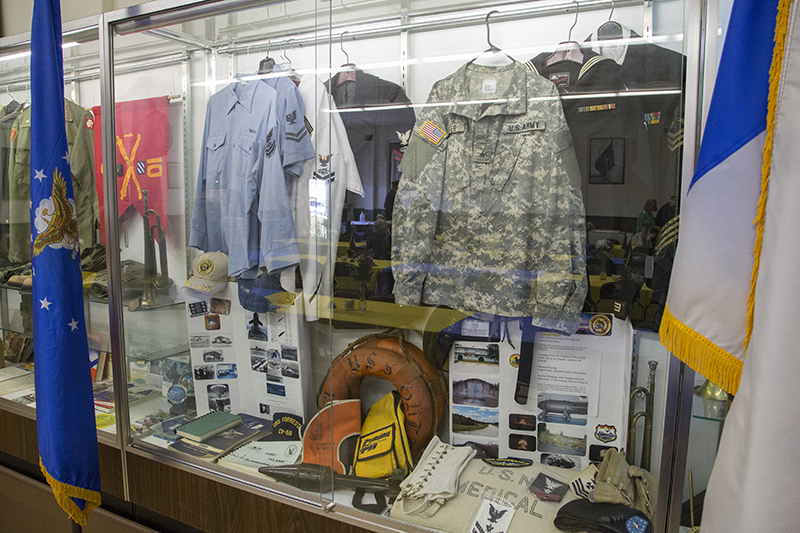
{"points": [[64, 406], [705, 322]]}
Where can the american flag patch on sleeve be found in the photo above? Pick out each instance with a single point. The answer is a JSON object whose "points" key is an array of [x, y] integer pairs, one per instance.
{"points": [[432, 132]]}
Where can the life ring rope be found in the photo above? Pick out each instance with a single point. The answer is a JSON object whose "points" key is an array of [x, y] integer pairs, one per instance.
{"points": [[419, 370]]}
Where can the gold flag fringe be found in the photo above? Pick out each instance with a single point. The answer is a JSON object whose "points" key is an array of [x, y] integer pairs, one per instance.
{"points": [[64, 493], [700, 354], [775, 70]]}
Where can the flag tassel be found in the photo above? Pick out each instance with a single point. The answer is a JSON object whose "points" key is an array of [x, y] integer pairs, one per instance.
{"points": [[700, 354], [64, 493], [781, 30]]}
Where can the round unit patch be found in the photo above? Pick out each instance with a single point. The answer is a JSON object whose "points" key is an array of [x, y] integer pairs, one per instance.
{"points": [[636, 524], [600, 325], [205, 267]]}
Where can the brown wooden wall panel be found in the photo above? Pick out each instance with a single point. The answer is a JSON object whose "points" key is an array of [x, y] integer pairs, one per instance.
{"points": [[18, 437], [111, 480], [29, 506], [215, 507], [101, 521]]}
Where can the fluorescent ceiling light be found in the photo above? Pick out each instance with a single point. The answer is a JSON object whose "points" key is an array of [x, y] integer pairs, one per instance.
{"points": [[27, 53]]}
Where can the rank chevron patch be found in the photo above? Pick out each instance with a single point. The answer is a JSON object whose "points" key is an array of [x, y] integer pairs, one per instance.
{"points": [[675, 135], [297, 136]]}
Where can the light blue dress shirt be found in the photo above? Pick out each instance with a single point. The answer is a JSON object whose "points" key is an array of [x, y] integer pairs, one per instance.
{"points": [[242, 202]]}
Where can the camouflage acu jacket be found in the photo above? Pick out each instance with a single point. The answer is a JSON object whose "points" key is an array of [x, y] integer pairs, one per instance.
{"points": [[489, 215]]}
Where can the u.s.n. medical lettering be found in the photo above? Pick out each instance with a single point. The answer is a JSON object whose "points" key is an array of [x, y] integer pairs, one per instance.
{"points": [[520, 500]]}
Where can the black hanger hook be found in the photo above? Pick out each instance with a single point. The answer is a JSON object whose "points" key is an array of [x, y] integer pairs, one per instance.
{"points": [[577, 9], [488, 34], [341, 45]]}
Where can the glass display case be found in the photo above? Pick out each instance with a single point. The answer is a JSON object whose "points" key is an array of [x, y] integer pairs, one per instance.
{"points": [[380, 237], [81, 90]]}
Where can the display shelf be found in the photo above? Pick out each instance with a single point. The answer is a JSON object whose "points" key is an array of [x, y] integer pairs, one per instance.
{"points": [[712, 410]]}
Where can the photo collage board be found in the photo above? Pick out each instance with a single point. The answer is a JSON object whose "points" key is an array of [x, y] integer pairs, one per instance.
{"points": [[246, 362], [572, 411]]}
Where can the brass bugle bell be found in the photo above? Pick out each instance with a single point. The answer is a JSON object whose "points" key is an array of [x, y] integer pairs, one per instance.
{"points": [[711, 391]]}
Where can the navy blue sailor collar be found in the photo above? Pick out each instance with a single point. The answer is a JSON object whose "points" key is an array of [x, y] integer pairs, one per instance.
{"points": [[514, 101]]}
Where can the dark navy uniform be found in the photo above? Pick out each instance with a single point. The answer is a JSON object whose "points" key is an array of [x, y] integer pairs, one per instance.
{"points": [[608, 133], [373, 134], [649, 67]]}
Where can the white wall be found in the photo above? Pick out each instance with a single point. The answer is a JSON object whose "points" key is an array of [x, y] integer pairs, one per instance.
{"points": [[15, 15]]}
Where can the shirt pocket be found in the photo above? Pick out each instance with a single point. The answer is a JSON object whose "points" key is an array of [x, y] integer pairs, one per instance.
{"points": [[215, 155], [243, 154], [511, 160], [22, 155]]}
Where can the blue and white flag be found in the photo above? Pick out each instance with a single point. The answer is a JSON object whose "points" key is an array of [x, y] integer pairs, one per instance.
{"points": [[705, 323], [65, 421], [755, 179]]}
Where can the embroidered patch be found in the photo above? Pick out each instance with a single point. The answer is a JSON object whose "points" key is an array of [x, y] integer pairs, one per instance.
{"points": [[140, 168], [508, 462], [675, 135], [270, 145], [522, 127], [548, 489], [584, 485], [309, 127], [432, 132], [600, 325], [636, 524], [89, 125], [297, 136], [291, 118], [205, 267], [605, 433], [13, 133], [598, 107], [491, 517], [561, 79], [324, 172]]}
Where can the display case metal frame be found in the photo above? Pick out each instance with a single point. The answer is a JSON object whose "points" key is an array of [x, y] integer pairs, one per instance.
{"points": [[699, 15]]}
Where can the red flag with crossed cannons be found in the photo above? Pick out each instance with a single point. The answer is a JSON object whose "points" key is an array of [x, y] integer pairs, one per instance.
{"points": [[142, 143]]}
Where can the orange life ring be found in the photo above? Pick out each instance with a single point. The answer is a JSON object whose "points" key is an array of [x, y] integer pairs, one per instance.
{"points": [[422, 389]]}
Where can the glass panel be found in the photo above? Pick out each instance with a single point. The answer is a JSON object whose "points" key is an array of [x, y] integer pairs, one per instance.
{"points": [[81, 90], [479, 233], [213, 147]]}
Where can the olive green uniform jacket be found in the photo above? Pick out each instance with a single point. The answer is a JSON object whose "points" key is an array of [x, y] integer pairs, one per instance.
{"points": [[80, 138]]}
